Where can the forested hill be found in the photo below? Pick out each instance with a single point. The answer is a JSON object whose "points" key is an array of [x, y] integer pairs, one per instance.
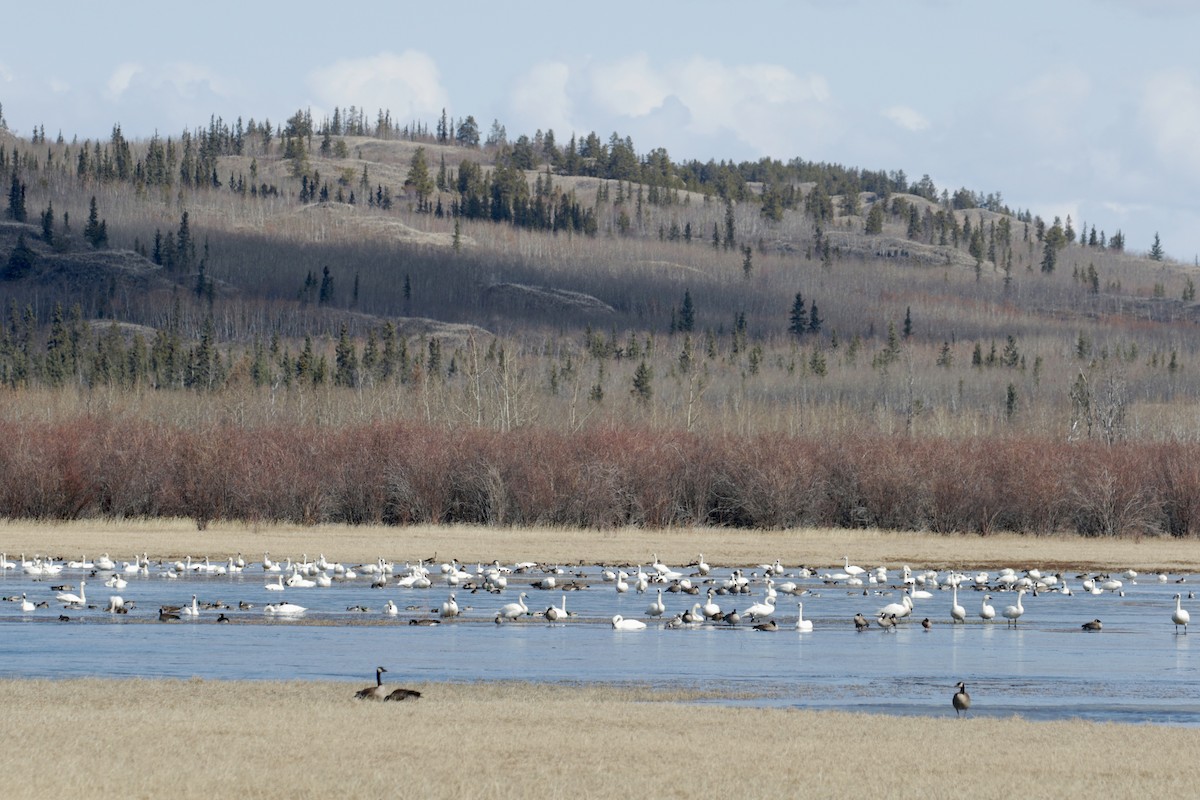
{"points": [[608, 281]]}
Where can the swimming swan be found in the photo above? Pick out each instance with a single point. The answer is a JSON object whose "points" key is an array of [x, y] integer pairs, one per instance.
{"points": [[619, 623]]}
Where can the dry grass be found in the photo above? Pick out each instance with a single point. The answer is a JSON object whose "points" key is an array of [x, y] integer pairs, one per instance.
{"points": [[203, 739], [816, 547]]}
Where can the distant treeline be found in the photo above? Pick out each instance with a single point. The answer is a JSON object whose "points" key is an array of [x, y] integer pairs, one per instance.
{"points": [[398, 474]]}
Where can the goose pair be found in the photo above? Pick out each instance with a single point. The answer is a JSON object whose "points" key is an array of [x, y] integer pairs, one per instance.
{"points": [[377, 692]]}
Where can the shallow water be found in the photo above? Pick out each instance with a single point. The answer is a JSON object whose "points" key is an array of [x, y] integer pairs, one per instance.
{"points": [[1137, 669]]}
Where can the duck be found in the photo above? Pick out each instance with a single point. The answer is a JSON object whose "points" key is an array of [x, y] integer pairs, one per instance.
{"points": [[375, 692], [1094, 625], [961, 700], [803, 625], [619, 623], [1180, 616]]}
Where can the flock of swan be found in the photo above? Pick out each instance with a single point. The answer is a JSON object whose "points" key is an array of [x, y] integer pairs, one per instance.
{"points": [[755, 590]]}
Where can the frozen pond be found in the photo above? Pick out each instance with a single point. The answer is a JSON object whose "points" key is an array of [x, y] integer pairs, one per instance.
{"points": [[1137, 669]]}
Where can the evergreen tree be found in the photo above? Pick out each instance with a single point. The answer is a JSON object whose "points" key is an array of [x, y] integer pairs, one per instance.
{"points": [[326, 294], [16, 197], [687, 314], [20, 260], [814, 320], [747, 261], [419, 180], [798, 320], [874, 223], [643, 379], [345, 372], [908, 325], [1156, 249], [48, 224]]}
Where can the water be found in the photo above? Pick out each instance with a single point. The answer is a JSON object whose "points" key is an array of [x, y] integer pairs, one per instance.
{"points": [[1135, 670]]}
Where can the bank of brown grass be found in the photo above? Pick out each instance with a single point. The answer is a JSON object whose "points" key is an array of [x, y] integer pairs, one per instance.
{"points": [[678, 546], [204, 739]]}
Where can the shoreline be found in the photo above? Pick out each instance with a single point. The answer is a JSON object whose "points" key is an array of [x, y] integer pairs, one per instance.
{"points": [[822, 548]]}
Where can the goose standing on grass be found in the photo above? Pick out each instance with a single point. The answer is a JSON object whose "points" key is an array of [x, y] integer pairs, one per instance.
{"points": [[1013, 613], [803, 625], [1180, 616], [375, 692], [957, 612], [987, 611], [619, 623], [67, 598], [961, 700]]}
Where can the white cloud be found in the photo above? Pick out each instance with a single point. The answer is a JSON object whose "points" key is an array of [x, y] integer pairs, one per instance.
{"points": [[630, 87], [907, 118], [407, 84], [189, 79], [121, 78], [1170, 118], [540, 98]]}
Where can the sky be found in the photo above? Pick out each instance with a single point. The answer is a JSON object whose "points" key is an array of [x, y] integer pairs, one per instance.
{"points": [[1087, 108]]}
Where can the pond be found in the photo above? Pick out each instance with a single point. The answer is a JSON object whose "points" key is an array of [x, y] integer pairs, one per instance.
{"points": [[1136, 669]]}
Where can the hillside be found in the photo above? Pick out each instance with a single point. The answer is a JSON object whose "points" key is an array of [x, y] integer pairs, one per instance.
{"points": [[312, 277]]}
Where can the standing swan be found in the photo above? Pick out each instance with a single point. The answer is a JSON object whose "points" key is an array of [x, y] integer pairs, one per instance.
{"points": [[803, 625], [986, 610], [1013, 613], [961, 700], [73, 599], [513, 610], [373, 692], [658, 607], [1181, 615], [957, 612], [449, 608]]}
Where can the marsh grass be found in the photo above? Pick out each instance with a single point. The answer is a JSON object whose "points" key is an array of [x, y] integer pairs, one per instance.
{"points": [[204, 739], [171, 539]]}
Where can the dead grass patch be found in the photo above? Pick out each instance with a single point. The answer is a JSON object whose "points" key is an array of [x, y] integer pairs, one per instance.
{"points": [[203, 739]]}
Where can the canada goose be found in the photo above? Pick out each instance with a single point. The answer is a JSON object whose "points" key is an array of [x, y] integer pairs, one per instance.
{"points": [[373, 692], [403, 694], [554, 613], [886, 621], [619, 623], [167, 616], [1180, 615], [244, 606], [803, 625], [430, 622], [926, 624], [961, 700], [860, 622], [63, 618], [1094, 625], [1013, 613], [769, 625], [222, 618], [732, 618]]}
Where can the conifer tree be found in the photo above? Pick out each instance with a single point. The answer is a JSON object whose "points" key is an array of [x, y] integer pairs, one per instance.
{"points": [[1156, 249], [687, 314], [798, 320], [643, 388]]}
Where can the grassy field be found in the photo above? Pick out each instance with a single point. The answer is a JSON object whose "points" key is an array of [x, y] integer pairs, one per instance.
{"points": [[204, 739], [819, 548]]}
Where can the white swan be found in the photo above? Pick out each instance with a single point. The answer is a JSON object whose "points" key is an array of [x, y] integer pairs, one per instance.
{"points": [[1179, 617], [191, 611], [852, 570], [1013, 613], [5, 563], [702, 566], [898, 610], [390, 609], [758, 611], [710, 608], [73, 599], [275, 587], [449, 608], [619, 623], [116, 604], [658, 607], [803, 625], [513, 610], [283, 609], [555, 613], [987, 611], [27, 606], [957, 612], [622, 584]]}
